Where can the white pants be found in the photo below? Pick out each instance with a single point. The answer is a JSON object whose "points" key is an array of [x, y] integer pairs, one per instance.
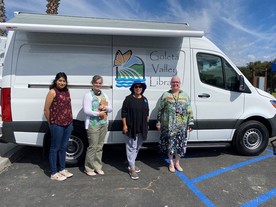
{"points": [[132, 148]]}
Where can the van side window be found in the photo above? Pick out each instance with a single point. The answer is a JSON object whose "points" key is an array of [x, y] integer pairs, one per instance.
{"points": [[215, 71]]}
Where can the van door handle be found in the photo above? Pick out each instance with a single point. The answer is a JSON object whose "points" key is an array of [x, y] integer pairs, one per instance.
{"points": [[204, 95]]}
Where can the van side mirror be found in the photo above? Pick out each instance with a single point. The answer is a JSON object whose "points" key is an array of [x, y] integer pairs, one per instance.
{"points": [[241, 83]]}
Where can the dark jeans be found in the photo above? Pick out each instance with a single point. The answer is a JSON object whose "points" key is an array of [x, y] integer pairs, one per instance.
{"points": [[59, 138]]}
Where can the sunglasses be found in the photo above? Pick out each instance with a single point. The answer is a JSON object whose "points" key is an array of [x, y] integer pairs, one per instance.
{"points": [[139, 86]]}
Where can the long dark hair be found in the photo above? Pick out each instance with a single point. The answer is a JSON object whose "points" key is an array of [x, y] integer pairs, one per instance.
{"points": [[58, 76]]}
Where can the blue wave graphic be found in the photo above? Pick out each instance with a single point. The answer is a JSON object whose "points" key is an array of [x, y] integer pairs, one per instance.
{"points": [[127, 82]]}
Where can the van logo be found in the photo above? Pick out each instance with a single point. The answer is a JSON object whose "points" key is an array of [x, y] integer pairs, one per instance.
{"points": [[129, 68]]}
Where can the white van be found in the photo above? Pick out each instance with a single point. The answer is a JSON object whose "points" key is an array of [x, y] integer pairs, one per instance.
{"points": [[2, 53], [227, 108]]}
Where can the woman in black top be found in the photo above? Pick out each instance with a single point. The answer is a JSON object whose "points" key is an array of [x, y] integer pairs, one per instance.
{"points": [[135, 117]]}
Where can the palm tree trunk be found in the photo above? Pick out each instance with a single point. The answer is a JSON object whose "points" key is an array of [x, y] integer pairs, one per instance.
{"points": [[2, 16], [52, 6]]}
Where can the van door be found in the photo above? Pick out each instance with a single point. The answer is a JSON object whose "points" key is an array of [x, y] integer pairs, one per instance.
{"points": [[218, 102]]}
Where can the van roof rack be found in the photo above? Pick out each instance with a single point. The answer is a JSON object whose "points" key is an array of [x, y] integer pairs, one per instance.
{"points": [[86, 25]]}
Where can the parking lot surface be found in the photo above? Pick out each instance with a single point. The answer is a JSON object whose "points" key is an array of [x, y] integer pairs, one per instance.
{"points": [[211, 177]]}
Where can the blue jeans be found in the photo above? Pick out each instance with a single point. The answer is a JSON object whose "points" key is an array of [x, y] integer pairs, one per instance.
{"points": [[59, 139]]}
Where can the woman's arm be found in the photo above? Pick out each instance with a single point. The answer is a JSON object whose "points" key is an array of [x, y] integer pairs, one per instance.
{"points": [[124, 115], [109, 107], [125, 128], [87, 106], [160, 111], [48, 102]]}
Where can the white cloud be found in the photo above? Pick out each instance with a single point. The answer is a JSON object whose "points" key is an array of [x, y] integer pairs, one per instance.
{"points": [[229, 24]]}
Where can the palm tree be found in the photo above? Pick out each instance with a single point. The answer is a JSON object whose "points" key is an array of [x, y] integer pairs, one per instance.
{"points": [[2, 16], [52, 6]]}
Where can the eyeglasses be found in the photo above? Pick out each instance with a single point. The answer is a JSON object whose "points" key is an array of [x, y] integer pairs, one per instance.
{"points": [[138, 86]]}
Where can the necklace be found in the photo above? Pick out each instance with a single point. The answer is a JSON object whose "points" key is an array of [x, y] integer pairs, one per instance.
{"points": [[176, 97]]}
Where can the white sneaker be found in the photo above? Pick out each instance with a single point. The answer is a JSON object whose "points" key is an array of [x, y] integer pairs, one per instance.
{"points": [[137, 169], [90, 173], [57, 176], [100, 172], [133, 174], [66, 173]]}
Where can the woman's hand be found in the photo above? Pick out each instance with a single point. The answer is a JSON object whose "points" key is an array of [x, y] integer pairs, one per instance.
{"points": [[103, 108], [102, 114], [158, 126], [125, 129]]}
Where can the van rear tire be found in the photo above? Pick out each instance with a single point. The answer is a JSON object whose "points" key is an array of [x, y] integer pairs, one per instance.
{"points": [[251, 138], [76, 149]]}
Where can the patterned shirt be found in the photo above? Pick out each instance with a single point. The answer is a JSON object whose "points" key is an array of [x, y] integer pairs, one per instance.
{"points": [[95, 120], [175, 113], [60, 109]]}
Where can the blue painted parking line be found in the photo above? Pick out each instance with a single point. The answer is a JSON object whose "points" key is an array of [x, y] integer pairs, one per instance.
{"points": [[261, 199], [269, 150], [190, 182], [195, 190], [232, 167]]}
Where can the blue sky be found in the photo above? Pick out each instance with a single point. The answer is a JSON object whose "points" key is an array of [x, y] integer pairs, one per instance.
{"points": [[243, 29]]}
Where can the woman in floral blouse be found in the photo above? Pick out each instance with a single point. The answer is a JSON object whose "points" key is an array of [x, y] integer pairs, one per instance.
{"points": [[174, 119], [58, 112]]}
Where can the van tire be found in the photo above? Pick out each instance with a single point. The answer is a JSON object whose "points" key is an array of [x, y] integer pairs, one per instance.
{"points": [[76, 149], [251, 138]]}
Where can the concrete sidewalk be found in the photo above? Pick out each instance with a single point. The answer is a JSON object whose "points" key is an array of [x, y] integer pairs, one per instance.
{"points": [[9, 153]]}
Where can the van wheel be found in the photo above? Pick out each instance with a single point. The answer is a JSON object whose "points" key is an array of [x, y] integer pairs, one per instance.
{"points": [[76, 149], [251, 138]]}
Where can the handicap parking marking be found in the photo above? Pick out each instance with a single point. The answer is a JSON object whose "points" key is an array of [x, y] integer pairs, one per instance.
{"points": [[261, 199], [195, 190], [232, 167], [191, 182]]}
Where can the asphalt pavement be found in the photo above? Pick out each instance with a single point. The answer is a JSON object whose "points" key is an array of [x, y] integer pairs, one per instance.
{"points": [[210, 177], [9, 153]]}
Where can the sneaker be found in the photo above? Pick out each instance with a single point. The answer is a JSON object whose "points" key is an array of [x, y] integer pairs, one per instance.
{"points": [[133, 174], [137, 169], [66, 173], [90, 173], [100, 172], [58, 177]]}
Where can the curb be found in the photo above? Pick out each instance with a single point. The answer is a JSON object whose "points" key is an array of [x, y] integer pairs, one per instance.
{"points": [[11, 156]]}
